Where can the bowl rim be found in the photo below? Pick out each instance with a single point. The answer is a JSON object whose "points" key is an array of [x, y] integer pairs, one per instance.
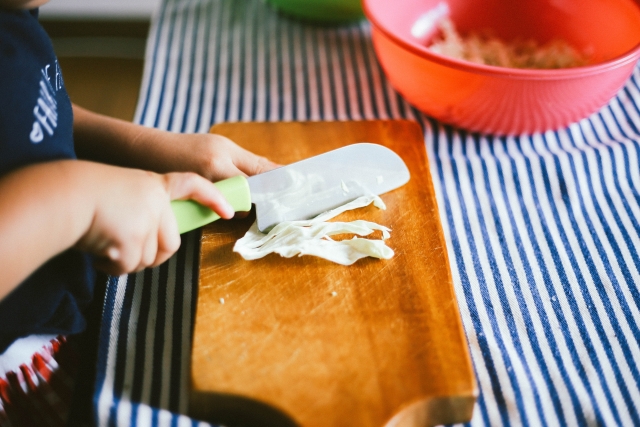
{"points": [[632, 55]]}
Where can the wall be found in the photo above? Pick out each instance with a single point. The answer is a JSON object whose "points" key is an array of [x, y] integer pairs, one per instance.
{"points": [[88, 9]]}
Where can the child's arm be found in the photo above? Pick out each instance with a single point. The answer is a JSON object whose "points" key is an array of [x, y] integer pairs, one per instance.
{"points": [[114, 141], [123, 216]]}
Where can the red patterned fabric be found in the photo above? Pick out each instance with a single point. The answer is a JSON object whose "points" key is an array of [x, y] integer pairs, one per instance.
{"points": [[39, 394]]}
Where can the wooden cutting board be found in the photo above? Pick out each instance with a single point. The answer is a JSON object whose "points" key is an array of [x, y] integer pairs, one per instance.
{"points": [[305, 342]]}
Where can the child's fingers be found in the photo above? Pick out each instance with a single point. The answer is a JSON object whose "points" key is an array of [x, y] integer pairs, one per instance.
{"points": [[232, 159], [168, 237], [247, 165], [156, 248], [183, 186], [120, 259], [149, 251], [252, 164]]}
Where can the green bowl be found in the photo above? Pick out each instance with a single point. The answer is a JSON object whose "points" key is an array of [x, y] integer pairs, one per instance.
{"points": [[321, 11]]}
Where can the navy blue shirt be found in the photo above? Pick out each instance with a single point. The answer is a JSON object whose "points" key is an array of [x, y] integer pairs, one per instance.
{"points": [[36, 125]]}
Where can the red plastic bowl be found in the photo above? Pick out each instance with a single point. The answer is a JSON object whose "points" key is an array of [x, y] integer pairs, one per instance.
{"points": [[507, 100]]}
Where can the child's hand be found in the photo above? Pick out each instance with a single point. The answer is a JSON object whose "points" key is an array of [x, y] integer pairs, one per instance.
{"points": [[123, 216], [133, 226], [220, 158]]}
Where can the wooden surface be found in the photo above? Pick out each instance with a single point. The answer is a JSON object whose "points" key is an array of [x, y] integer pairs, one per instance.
{"points": [[95, 57], [387, 349], [104, 85]]}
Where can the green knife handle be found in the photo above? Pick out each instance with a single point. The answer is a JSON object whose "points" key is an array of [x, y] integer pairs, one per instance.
{"points": [[191, 215]]}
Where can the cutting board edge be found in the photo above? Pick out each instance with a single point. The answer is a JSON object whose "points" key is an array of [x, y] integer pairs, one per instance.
{"points": [[230, 408], [435, 411], [473, 384], [431, 411], [407, 122]]}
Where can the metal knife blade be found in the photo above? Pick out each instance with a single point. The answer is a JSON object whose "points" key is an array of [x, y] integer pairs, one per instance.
{"points": [[306, 188]]}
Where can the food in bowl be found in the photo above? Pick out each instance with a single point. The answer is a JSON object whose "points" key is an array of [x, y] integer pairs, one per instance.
{"points": [[505, 100], [490, 50]]}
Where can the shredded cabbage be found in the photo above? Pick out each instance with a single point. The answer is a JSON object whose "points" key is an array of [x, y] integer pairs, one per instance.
{"points": [[515, 54], [313, 237]]}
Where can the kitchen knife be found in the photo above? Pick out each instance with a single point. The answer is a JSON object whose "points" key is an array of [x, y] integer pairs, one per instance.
{"points": [[304, 189]]}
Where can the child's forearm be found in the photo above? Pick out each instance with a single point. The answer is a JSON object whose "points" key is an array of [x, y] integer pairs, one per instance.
{"points": [[118, 142], [104, 139], [43, 211]]}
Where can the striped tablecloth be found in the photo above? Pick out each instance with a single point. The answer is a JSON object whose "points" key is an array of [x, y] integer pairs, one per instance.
{"points": [[543, 231]]}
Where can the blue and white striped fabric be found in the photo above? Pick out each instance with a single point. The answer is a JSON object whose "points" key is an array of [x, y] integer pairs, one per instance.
{"points": [[543, 231]]}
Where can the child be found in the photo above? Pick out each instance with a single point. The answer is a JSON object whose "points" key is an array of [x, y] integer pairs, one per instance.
{"points": [[77, 192]]}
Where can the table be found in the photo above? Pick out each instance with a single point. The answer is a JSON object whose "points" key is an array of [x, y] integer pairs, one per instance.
{"points": [[543, 231]]}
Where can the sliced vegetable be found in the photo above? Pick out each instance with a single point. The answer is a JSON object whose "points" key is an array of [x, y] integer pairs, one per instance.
{"points": [[313, 237]]}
